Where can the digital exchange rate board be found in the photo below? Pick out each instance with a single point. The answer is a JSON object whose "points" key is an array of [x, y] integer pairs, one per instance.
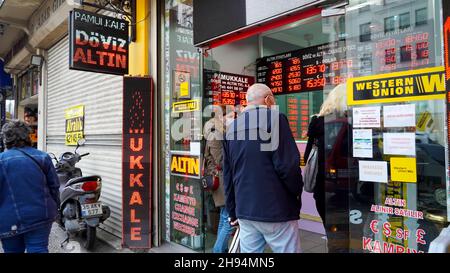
{"points": [[223, 88], [304, 70]]}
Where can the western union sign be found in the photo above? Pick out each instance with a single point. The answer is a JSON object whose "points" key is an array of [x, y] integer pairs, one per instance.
{"points": [[186, 106], [185, 165], [422, 84]]}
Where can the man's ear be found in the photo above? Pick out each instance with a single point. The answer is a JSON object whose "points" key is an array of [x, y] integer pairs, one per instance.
{"points": [[269, 100]]}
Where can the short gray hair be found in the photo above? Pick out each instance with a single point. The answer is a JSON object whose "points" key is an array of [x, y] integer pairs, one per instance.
{"points": [[16, 133], [256, 91]]}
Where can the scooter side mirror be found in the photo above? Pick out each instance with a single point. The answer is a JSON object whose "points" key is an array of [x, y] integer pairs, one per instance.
{"points": [[80, 142]]}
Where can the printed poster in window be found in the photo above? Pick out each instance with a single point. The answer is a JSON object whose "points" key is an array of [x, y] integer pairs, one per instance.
{"points": [[74, 125], [182, 82]]}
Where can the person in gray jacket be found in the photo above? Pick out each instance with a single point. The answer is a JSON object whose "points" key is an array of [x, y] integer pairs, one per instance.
{"points": [[213, 131]]}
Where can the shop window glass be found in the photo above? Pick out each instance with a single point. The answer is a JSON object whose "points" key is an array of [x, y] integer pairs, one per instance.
{"points": [[35, 82], [326, 60], [389, 24], [183, 128], [364, 30], [25, 86], [421, 16], [365, 6], [405, 20], [392, 201]]}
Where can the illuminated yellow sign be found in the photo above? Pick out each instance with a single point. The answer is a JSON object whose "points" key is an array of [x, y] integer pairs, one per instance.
{"points": [[185, 165], [422, 84], [186, 106]]}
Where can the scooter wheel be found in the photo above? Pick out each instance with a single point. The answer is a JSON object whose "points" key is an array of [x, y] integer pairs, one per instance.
{"points": [[91, 236]]}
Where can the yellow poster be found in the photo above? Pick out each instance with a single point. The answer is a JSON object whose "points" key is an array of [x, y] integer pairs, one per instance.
{"points": [[403, 169], [182, 82], [184, 89], [74, 124]]}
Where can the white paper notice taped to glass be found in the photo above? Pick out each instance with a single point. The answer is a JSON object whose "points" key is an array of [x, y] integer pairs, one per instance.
{"points": [[402, 115], [373, 171], [366, 117], [195, 148], [399, 143], [362, 143]]}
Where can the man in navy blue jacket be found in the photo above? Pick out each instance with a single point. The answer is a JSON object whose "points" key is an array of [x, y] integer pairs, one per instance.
{"points": [[262, 176]]}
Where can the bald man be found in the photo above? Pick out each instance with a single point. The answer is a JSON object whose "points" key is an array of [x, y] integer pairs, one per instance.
{"points": [[262, 176]]}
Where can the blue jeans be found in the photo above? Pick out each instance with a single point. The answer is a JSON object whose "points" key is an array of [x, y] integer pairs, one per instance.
{"points": [[282, 237], [223, 232], [34, 241]]}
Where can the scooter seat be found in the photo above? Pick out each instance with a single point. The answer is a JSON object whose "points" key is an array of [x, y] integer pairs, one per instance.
{"points": [[83, 179]]}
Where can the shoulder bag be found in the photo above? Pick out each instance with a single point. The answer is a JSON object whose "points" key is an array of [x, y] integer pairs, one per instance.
{"points": [[311, 169], [209, 182]]}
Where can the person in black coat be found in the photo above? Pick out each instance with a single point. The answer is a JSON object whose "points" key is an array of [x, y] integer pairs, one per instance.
{"points": [[334, 104], [316, 136]]}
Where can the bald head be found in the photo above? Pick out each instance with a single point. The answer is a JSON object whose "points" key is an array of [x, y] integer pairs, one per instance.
{"points": [[258, 93]]}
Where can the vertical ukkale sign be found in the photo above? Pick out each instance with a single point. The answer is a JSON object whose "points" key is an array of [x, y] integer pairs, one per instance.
{"points": [[137, 162], [98, 43]]}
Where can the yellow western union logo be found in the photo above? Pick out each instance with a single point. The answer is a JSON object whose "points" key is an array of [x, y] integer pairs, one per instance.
{"points": [[428, 84], [422, 84], [186, 106]]}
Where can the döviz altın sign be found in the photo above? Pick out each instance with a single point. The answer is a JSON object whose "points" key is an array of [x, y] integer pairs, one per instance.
{"points": [[98, 43]]}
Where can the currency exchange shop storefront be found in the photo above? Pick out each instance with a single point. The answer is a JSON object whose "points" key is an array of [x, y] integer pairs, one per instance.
{"points": [[385, 142]]}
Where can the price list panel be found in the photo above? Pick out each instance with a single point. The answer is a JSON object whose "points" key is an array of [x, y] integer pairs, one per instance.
{"points": [[282, 73], [226, 88], [298, 115]]}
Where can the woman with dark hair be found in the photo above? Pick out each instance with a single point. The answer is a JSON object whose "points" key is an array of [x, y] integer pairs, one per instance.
{"points": [[29, 193]]}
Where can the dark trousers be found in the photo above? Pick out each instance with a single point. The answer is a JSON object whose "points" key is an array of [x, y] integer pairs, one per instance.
{"points": [[33, 241], [319, 197]]}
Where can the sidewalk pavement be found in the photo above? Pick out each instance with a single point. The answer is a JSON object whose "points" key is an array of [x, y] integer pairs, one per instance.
{"points": [[107, 243], [57, 236]]}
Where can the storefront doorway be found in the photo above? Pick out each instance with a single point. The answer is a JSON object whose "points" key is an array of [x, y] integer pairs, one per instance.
{"points": [[273, 58]]}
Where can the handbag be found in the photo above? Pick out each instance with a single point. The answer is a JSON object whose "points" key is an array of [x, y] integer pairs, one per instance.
{"points": [[210, 182], [311, 169], [235, 243]]}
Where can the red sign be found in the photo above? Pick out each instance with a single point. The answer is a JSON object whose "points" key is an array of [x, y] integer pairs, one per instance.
{"points": [[226, 88], [137, 162]]}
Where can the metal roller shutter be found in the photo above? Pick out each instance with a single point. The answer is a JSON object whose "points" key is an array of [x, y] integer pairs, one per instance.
{"points": [[102, 97]]}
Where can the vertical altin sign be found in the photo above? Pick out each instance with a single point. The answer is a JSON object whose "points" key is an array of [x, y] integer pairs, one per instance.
{"points": [[446, 30], [137, 162]]}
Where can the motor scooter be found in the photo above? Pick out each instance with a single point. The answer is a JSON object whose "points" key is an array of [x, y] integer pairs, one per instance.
{"points": [[80, 210]]}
